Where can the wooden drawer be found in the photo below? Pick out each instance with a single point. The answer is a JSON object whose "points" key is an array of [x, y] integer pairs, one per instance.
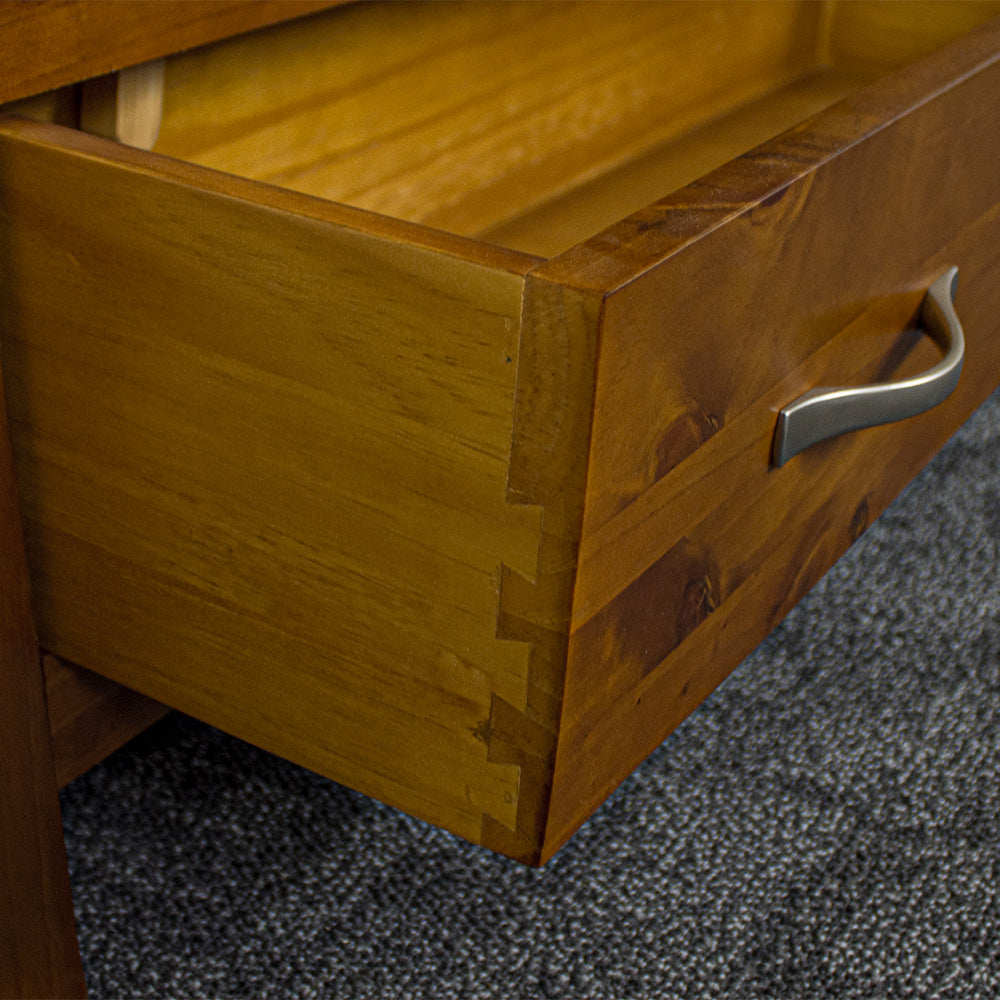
{"points": [[338, 427]]}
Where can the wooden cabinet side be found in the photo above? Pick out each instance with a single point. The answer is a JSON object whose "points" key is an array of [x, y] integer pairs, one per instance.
{"points": [[38, 946]]}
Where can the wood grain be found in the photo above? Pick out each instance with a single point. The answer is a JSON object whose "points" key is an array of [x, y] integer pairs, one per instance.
{"points": [[551, 135], [59, 42], [90, 717], [547, 472], [463, 528], [557, 224], [464, 115], [693, 547], [276, 501], [38, 948]]}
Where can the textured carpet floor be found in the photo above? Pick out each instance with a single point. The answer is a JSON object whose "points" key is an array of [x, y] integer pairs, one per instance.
{"points": [[826, 826]]}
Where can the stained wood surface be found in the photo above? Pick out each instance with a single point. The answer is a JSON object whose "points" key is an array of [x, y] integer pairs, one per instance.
{"points": [[264, 470], [559, 223], [551, 135], [90, 717], [38, 948], [350, 487], [464, 115], [51, 44], [547, 472], [818, 248]]}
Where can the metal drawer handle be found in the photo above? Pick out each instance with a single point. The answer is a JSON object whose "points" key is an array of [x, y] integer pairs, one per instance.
{"points": [[825, 413]]}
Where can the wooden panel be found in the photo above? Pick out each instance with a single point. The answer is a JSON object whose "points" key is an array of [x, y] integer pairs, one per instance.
{"points": [[264, 445], [872, 34], [126, 105], [466, 114], [559, 223], [47, 45], [38, 949], [818, 248], [547, 470], [90, 717]]}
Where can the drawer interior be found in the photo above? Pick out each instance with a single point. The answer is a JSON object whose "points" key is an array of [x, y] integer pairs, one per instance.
{"points": [[532, 126]]}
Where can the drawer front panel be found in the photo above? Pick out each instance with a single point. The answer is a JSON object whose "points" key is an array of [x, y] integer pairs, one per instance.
{"points": [[694, 546]]}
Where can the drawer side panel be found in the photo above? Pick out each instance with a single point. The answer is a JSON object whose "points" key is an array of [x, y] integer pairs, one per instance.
{"points": [[264, 463]]}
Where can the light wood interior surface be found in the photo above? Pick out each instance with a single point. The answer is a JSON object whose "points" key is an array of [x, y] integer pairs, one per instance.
{"points": [[530, 125]]}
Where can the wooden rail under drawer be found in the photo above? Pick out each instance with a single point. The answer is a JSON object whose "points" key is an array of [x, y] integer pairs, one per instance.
{"points": [[90, 717]]}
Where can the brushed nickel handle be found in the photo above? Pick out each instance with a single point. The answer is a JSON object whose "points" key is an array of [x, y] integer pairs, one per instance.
{"points": [[827, 412]]}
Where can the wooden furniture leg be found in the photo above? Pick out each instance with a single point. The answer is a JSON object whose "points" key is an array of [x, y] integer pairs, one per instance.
{"points": [[39, 956]]}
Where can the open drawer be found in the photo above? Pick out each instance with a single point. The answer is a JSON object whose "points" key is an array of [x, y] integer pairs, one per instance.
{"points": [[382, 415]]}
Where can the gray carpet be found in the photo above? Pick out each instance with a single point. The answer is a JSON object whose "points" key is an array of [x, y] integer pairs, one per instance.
{"points": [[826, 826]]}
